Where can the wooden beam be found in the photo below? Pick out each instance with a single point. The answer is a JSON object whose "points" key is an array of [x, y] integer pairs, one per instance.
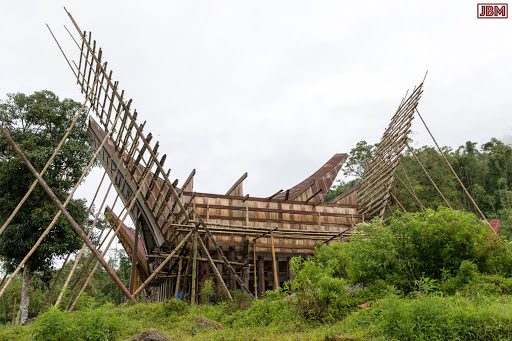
{"points": [[194, 269], [214, 269], [273, 195], [235, 188], [255, 271], [276, 280]]}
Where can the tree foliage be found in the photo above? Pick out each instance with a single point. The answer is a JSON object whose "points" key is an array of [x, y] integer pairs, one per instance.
{"points": [[37, 122], [429, 244], [485, 171]]}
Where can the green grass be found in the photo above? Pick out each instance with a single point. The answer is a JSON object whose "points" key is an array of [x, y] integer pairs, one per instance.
{"points": [[423, 317]]}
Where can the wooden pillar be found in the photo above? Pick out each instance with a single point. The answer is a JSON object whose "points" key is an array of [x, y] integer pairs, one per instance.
{"points": [[177, 289], [215, 270], [274, 263], [255, 270], [289, 270], [194, 270], [231, 257], [220, 267], [245, 275], [261, 275]]}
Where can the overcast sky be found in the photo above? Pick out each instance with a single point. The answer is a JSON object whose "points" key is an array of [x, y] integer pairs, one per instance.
{"points": [[274, 88]]}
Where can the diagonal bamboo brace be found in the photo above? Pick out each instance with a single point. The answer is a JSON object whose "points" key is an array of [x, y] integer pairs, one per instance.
{"points": [[68, 216]]}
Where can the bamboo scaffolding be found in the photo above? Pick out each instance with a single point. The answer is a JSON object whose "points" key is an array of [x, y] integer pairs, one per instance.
{"points": [[48, 163], [73, 223], [428, 176], [55, 218], [214, 269], [110, 242], [451, 169]]}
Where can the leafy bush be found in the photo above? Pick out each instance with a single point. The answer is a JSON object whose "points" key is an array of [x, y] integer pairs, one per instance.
{"points": [[272, 310], [54, 325], [315, 286], [467, 272], [435, 318], [175, 307], [207, 291], [430, 244], [91, 323], [95, 324]]}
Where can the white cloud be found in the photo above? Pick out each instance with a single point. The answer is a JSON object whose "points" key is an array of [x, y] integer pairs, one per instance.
{"points": [[274, 88]]}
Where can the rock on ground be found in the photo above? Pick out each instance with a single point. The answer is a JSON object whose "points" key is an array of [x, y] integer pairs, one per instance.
{"points": [[203, 323], [150, 335]]}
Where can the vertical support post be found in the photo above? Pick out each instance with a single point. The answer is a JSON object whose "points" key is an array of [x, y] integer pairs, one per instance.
{"points": [[276, 280], [214, 269], [261, 275], [177, 289], [194, 270], [231, 256], [134, 256], [246, 275], [255, 272]]}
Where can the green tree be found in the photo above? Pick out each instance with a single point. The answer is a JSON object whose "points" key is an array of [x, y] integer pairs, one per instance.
{"points": [[360, 157], [37, 123], [429, 244]]}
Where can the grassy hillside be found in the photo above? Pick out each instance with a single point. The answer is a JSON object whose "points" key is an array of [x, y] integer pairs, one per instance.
{"points": [[434, 275]]}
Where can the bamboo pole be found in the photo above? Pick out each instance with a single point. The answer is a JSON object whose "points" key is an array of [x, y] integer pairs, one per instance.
{"points": [[177, 289], [453, 171], [164, 262], [412, 193], [54, 284], [81, 252], [398, 202], [432, 181], [276, 281], [3, 279], [31, 189], [98, 245], [55, 218], [134, 256], [410, 185], [119, 226], [68, 216], [214, 269], [255, 274], [194, 269]]}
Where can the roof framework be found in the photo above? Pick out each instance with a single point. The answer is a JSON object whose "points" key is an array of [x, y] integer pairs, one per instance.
{"points": [[175, 226]]}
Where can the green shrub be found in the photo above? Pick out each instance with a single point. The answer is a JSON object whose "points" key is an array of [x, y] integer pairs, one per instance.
{"points": [[430, 244], [175, 307], [467, 272], [98, 324], [54, 325], [489, 285], [315, 286], [207, 291], [272, 310], [435, 318]]}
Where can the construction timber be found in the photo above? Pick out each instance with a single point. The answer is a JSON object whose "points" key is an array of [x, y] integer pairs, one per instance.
{"points": [[183, 237], [246, 228]]}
